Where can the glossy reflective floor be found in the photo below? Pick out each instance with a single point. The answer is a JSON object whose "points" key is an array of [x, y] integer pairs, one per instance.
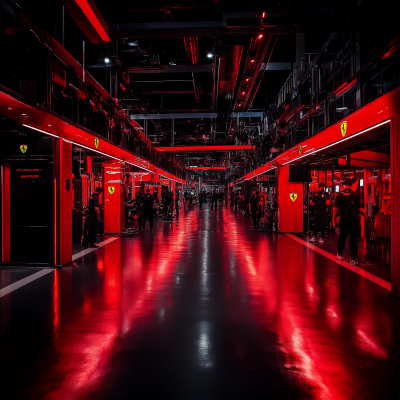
{"points": [[200, 309]]}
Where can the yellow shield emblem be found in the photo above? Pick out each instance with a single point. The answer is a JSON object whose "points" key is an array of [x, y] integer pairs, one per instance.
{"points": [[111, 189], [96, 142], [343, 128], [23, 148], [293, 196], [300, 150]]}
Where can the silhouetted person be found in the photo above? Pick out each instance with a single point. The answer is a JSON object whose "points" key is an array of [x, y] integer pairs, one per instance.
{"points": [[214, 199], [177, 203], [253, 200], [349, 204], [92, 217], [168, 205], [201, 199], [147, 201], [139, 206], [320, 214]]}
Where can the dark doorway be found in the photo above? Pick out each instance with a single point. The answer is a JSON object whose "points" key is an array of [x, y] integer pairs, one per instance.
{"points": [[30, 212]]}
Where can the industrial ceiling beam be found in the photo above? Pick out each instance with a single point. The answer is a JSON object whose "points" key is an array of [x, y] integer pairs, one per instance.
{"points": [[162, 87], [206, 148], [170, 69], [195, 168], [319, 19], [198, 115]]}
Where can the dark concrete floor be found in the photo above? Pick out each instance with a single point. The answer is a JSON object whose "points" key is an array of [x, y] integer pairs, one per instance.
{"points": [[371, 258], [201, 308]]}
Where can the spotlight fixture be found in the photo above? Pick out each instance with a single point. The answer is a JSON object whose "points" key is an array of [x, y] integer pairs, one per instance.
{"points": [[209, 55], [106, 60], [260, 36], [247, 79], [240, 105], [243, 93], [252, 60]]}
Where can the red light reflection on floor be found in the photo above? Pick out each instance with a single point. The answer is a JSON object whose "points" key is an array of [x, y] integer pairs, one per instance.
{"points": [[55, 302], [128, 294], [280, 296]]}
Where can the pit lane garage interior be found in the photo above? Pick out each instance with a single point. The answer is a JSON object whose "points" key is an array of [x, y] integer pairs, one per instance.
{"points": [[173, 180]]}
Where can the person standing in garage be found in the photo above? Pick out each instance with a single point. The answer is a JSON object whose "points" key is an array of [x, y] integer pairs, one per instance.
{"points": [[147, 201], [320, 214], [349, 204], [92, 217]]}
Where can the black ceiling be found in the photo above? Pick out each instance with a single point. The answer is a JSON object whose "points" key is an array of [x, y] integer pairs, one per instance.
{"points": [[148, 49]]}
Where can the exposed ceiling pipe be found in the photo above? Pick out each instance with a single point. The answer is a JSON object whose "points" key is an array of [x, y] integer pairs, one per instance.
{"points": [[196, 87], [261, 74], [192, 52], [254, 62], [192, 48]]}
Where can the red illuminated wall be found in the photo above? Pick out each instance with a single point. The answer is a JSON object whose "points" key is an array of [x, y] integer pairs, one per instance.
{"points": [[291, 212], [114, 200], [383, 111], [38, 119]]}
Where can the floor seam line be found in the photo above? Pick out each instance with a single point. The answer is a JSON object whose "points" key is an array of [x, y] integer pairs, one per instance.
{"points": [[379, 281], [22, 282], [87, 251]]}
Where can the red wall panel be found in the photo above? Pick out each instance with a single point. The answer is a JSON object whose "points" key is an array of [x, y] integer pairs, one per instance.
{"points": [[291, 212], [114, 198]]}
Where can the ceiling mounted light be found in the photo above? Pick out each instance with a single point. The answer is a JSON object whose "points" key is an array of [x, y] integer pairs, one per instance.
{"points": [[209, 55], [243, 93], [252, 60], [260, 36], [240, 105], [106, 60], [247, 79]]}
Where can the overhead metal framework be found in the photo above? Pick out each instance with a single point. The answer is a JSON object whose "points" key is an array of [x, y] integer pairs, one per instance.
{"points": [[206, 148], [198, 115]]}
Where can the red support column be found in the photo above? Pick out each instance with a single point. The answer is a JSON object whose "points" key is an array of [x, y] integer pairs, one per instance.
{"points": [[395, 208], [114, 198], [290, 202], [64, 203], [5, 212]]}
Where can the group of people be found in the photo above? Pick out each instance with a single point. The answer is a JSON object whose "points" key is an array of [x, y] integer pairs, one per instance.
{"points": [[212, 198], [251, 205]]}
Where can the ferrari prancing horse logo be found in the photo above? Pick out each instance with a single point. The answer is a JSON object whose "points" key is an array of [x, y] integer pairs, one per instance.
{"points": [[23, 148], [300, 150], [96, 142], [343, 128], [293, 196], [111, 189]]}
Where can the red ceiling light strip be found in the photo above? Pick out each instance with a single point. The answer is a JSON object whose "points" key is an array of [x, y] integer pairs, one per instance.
{"points": [[206, 148], [20, 112], [391, 51], [340, 87], [206, 168], [338, 142], [91, 16], [346, 87]]}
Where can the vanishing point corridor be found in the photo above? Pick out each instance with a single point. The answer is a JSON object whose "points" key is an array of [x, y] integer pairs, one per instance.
{"points": [[201, 308]]}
